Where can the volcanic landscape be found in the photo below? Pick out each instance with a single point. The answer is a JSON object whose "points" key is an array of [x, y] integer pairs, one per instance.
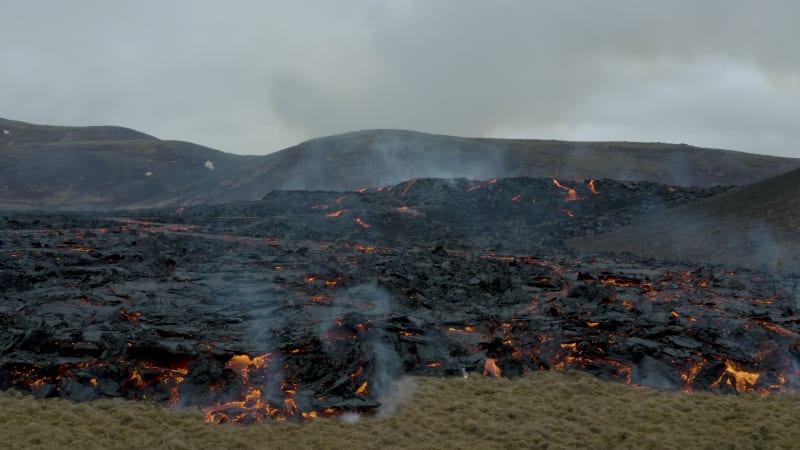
{"points": [[309, 303]]}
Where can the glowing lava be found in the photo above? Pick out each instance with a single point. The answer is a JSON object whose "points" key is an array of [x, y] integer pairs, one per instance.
{"points": [[490, 368], [337, 213], [572, 195], [408, 187]]}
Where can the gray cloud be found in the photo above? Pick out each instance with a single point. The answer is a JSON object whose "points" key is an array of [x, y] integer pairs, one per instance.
{"points": [[256, 76]]}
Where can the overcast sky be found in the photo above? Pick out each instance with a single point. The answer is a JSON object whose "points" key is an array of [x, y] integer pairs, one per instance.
{"points": [[257, 76]]}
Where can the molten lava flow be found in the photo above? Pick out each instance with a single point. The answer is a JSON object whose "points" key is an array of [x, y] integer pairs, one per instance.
{"points": [[337, 213], [572, 195], [619, 281], [777, 329], [361, 222], [567, 212], [593, 187], [361, 190], [516, 198], [408, 186], [253, 371], [735, 376], [490, 368], [28, 377], [362, 389], [147, 376]]}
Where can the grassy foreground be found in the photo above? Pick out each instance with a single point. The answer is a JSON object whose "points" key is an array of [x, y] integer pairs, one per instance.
{"points": [[542, 410]]}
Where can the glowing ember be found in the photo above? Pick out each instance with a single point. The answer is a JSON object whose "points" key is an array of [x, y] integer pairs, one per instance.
{"points": [[593, 187], [337, 213], [131, 317], [359, 221], [466, 329]]}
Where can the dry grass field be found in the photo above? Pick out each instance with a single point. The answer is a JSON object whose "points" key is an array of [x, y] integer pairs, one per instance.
{"points": [[543, 410]]}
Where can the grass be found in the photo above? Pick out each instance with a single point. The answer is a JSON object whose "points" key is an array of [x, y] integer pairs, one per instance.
{"points": [[543, 410]]}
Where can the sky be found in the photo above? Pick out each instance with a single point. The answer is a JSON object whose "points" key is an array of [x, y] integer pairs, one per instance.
{"points": [[256, 76]]}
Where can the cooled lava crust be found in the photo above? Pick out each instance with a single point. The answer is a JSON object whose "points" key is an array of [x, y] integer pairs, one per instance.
{"points": [[307, 304]]}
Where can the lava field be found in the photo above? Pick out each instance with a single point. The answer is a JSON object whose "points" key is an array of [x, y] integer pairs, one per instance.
{"points": [[308, 304]]}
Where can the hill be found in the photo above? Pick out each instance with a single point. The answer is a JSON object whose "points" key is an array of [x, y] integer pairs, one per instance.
{"points": [[48, 167], [69, 168], [384, 157], [755, 226]]}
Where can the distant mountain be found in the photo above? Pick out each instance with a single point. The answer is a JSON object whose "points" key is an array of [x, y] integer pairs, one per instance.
{"points": [[47, 167], [755, 226]]}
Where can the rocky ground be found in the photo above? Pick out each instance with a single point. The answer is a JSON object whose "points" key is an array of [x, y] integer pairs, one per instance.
{"points": [[310, 303], [755, 226]]}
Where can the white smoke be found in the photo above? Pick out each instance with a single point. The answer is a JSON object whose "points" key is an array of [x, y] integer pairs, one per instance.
{"points": [[148, 174], [209, 165], [384, 359], [6, 132], [400, 391], [350, 418]]}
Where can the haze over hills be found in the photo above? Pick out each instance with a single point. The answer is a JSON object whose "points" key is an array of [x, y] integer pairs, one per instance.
{"points": [[755, 226], [82, 168]]}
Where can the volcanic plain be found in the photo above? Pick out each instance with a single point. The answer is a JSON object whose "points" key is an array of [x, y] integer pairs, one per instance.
{"points": [[316, 302]]}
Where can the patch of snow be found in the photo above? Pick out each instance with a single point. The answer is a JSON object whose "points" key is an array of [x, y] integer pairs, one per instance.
{"points": [[6, 132], [148, 174], [209, 165]]}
